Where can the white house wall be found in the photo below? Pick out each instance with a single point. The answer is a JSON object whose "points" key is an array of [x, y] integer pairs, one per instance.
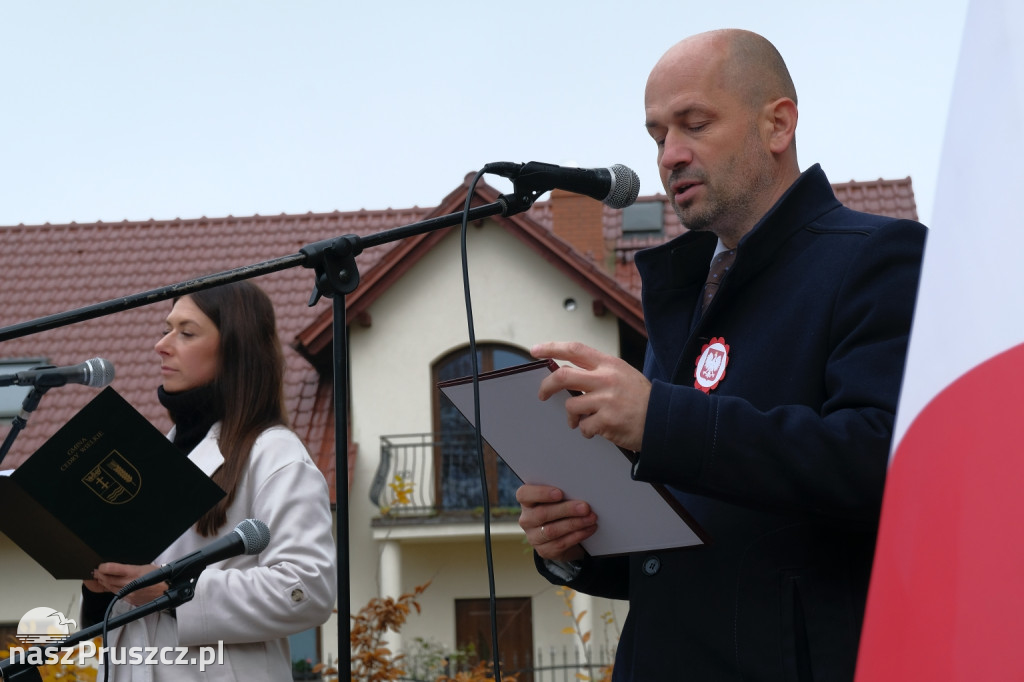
{"points": [[25, 585]]}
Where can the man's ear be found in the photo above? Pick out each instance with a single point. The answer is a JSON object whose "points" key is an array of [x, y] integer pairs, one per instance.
{"points": [[781, 116]]}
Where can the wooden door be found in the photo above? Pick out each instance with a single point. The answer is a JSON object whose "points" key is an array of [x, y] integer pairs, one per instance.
{"points": [[515, 631]]}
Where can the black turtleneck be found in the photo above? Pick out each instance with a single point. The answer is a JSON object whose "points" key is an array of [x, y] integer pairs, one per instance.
{"points": [[193, 412]]}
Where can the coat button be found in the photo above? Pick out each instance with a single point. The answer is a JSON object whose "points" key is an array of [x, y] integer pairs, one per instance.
{"points": [[298, 595], [652, 565]]}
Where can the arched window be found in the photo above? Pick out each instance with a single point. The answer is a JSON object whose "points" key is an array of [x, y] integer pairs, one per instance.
{"points": [[458, 479]]}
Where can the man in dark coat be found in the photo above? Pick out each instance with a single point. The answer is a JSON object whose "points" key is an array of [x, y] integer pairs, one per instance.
{"points": [[768, 414]]}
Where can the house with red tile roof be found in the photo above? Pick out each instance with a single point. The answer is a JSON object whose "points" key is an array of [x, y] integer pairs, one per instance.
{"points": [[562, 270]]}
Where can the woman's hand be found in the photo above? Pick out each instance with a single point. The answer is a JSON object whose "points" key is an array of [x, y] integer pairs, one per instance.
{"points": [[111, 577]]}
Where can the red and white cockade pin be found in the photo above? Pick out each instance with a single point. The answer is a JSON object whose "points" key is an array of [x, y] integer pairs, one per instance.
{"points": [[714, 356]]}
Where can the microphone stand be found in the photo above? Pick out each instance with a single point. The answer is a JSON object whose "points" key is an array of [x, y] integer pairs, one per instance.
{"points": [[179, 592], [30, 403], [336, 274]]}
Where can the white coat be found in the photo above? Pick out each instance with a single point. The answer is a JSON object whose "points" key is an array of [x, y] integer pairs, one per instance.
{"points": [[248, 605]]}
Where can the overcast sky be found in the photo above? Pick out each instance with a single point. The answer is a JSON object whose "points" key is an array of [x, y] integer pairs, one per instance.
{"points": [[133, 110]]}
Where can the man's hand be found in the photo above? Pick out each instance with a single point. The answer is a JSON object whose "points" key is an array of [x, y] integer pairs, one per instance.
{"points": [[554, 526], [615, 395]]}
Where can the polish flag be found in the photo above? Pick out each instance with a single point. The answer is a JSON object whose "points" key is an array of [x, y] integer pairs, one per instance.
{"points": [[947, 591]]}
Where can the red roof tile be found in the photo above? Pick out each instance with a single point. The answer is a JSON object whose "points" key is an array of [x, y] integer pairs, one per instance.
{"points": [[894, 198]]}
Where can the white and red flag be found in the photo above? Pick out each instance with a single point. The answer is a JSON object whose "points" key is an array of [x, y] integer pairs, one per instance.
{"points": [[947, 591]]}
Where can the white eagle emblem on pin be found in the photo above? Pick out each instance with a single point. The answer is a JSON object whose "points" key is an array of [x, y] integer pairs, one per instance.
{"points": [[714, 356]]}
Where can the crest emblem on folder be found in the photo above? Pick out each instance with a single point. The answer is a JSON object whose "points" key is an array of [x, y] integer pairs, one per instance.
{"points": [[714, 357], [115, 480]]}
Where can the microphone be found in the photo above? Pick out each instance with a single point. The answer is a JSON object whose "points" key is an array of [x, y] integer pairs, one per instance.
{"points": [[96, 373], [251, 536], [616, 187]]}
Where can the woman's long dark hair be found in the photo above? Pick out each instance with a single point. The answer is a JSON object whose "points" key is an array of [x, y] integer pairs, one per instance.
{"points": [[250, 382]]}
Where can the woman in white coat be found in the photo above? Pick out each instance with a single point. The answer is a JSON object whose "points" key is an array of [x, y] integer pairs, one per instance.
{"points": [[222, 370]]}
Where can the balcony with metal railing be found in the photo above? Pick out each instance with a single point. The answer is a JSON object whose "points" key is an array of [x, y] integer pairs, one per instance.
{"points": [[423, 478]]}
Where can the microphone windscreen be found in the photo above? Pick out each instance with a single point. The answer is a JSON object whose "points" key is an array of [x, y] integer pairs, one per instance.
{"points": [[625, 187], [255, 535], [101, 372]]}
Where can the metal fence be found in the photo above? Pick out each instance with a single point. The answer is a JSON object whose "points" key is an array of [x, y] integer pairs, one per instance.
{"points": [[568, 664]]}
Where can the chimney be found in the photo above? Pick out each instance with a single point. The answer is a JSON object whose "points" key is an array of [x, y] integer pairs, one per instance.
{"points": [[579, 221]]}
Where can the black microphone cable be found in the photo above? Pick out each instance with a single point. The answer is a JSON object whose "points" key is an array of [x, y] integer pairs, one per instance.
{"points": [[103, 637], [496, 657]]}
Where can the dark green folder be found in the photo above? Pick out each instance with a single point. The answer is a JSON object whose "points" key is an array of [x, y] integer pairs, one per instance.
{"points": [[108, 486]]}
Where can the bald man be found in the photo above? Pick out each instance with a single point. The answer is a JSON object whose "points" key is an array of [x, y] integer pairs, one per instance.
{"points": [[767, 398]]}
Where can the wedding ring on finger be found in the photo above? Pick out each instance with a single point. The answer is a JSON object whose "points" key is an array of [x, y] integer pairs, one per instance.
{"points": [[544, 534]]}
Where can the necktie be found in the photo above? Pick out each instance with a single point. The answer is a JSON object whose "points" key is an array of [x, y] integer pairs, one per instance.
{"points": [[719, 266]]}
